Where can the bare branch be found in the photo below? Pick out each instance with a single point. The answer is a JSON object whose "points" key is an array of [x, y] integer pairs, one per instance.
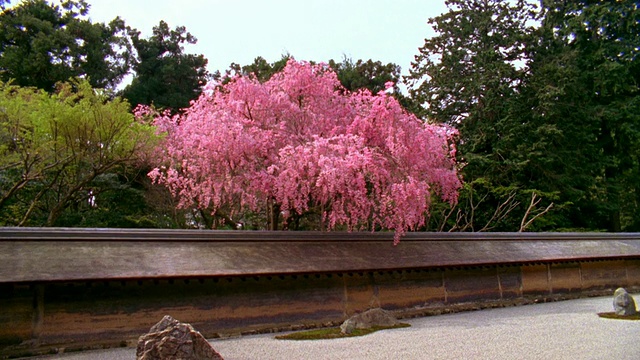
{"points": [[535, 200], [446, 218], [501, 211]]}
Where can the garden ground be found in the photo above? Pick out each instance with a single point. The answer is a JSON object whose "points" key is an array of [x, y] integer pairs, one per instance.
{"points": [[560, 330]]}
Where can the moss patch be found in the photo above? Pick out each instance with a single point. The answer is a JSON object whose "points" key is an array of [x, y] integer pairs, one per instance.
{"points": [[334, 333], [612, 315]]}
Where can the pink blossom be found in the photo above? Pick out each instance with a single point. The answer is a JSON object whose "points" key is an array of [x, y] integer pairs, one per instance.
{"points": [[301, 140]]}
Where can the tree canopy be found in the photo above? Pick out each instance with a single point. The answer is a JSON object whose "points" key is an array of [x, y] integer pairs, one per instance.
{"points": [[165, 76], [546, 102], [300, 141], [540, 98], [41, 44], [54, 147], [584, 89]]}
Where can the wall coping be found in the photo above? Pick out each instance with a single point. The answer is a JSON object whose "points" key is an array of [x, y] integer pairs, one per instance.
{"points": [[30, 255]]}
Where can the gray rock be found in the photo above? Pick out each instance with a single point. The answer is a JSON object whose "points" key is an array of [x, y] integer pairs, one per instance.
{"points": [[368, 319], [623, 303], [171, 339], [347, 326]]}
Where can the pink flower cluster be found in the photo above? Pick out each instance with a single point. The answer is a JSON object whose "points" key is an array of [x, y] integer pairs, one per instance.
{"points": [[301, 140]]}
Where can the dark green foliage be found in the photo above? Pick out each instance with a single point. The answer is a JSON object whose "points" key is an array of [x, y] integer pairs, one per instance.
{"points": [[260, 68], [165, 76], [469, 76], [583, 90], [371, 75], [472, 65], [546, 102], [114, 202], [365, 74], [42, 44], [352, 75]]}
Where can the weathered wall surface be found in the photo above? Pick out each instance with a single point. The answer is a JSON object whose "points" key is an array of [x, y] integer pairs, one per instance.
{"points": [[35, 317], [78, 288]]}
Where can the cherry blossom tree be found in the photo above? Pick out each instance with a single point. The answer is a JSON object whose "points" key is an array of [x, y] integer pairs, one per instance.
{"points": [[300, 141]]}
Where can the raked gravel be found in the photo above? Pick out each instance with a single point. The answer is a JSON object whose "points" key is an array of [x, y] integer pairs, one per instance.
{"points": [[559, 330]]}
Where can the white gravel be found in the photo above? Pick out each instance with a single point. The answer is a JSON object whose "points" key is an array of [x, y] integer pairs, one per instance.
{"points": [[560, 330]]}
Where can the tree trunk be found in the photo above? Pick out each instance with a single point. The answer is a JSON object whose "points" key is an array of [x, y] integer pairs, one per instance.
{"points": [[615, 225], [273, 215]]}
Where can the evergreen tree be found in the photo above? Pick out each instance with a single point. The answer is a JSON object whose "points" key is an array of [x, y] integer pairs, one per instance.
{"points": [[165, 76], [583, 96], [42, 44], [260, 68], [468, 76], [546, 101]]}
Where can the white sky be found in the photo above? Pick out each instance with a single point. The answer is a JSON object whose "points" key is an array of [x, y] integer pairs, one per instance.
{"points": [[240, 30]]}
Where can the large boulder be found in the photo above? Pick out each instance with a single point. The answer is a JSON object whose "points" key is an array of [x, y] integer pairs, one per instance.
{"points": [[623, 303], [368, 319], [171, 339]]}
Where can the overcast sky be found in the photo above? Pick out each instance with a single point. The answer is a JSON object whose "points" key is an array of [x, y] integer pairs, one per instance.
{"points": [[240, 30]]}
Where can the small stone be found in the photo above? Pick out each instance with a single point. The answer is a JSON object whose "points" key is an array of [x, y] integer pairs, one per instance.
{"points": [[348, 326], [623, 303], [171, 339], [368, 319]]}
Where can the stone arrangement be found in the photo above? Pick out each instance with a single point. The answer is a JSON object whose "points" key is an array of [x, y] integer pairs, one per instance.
{"points": [[623, 303], [171, 339], [368, 319]]}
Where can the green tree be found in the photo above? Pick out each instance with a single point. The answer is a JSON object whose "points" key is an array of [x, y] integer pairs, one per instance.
{"points": [[165, 76], [353, 75], [468, 76], [56, 148], [372, 75], [260, 68], [124, 198], [42, 44], [584, 93], [546, 101]]}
